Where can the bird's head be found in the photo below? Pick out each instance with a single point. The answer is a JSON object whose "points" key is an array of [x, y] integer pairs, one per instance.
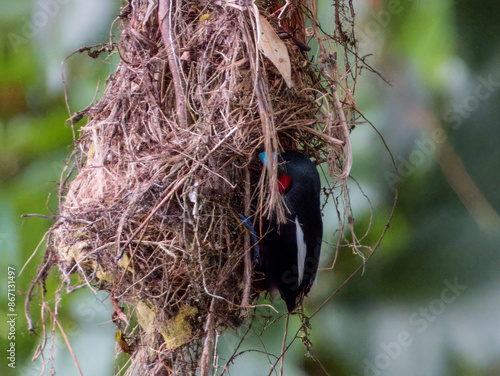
{"points": [[284, 180], [293, 168]]}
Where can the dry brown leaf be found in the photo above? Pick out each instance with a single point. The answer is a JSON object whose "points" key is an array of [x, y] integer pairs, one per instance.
{"points": [[275, 50]]}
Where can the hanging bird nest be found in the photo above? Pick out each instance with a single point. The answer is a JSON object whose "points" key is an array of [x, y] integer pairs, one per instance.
{"points": [[166, 164]]}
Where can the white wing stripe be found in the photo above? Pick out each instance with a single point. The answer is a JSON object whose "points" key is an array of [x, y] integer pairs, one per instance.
{"points": [[301, 249]]}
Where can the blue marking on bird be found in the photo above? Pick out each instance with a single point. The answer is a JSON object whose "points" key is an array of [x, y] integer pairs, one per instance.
{"points": [[255, 240], [263, 158]]}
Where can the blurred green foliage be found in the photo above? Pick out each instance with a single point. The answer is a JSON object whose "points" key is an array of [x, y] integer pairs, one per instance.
{"points": [[34, 145]]}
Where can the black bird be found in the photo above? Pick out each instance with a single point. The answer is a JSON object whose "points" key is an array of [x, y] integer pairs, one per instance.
{"points": [[290, 251]]}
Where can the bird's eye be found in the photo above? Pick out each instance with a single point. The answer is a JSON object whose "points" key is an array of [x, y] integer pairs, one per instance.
{"points": [[284, 183]]}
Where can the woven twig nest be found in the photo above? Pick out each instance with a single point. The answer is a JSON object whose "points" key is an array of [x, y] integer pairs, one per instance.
{"points": [[167, 163]]}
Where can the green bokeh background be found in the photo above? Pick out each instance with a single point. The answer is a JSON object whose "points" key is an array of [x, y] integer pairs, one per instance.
{"points": [[438, 55]]}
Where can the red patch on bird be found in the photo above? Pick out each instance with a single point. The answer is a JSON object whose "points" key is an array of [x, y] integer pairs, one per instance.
{"points": [[284, 183]]}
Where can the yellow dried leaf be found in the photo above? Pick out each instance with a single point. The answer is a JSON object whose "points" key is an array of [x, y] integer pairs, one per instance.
{"points": [[177, 331], [104, 275], [205, 17], [120, 339], [146, 317], [124, 262]]}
